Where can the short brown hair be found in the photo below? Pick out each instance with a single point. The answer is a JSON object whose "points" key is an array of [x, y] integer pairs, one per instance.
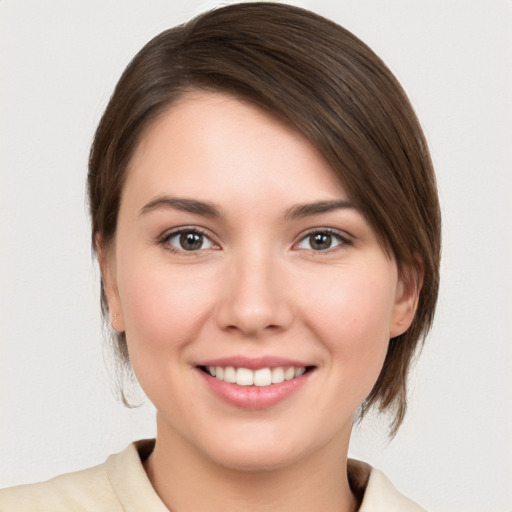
{"points": [[320, 78]]}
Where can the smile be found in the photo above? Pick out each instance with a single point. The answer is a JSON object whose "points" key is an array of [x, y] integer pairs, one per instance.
{"points": [[261, 377]]}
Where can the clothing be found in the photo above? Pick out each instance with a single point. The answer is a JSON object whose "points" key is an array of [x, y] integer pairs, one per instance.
{"points": [[121, 485]]}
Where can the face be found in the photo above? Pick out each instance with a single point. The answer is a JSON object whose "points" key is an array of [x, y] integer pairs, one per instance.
{"points": [[257, 302]]}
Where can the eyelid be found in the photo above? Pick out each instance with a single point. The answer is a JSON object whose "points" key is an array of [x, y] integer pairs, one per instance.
{"points": [[164, 238], [344, 238]]}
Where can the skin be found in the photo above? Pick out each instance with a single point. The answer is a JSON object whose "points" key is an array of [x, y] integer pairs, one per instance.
{"points": [[255, 287]]}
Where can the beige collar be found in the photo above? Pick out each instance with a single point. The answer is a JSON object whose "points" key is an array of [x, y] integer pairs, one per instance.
{"points": [[135, 492]]}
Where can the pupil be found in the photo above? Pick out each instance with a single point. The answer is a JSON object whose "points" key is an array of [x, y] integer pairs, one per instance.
{"points": [[321, 241], [191, 241]]}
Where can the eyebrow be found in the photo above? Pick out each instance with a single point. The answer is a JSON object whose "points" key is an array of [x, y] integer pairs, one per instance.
{"points": [[209, 209], [305, 210], [204, 208]]}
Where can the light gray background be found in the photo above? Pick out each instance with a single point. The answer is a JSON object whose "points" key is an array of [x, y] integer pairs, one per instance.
{"points": [[59, 61]]}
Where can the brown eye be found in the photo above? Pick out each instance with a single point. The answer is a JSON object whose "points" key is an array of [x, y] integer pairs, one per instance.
{"points": [[188, 240], [321, 241], [191, 241]]}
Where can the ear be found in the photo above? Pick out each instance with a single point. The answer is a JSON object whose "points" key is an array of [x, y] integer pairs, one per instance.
{"points": [[410, 281], [107, 262]]}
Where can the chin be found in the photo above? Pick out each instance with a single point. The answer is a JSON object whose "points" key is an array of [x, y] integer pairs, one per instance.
{"points": [[256, 460], [257, 452]]}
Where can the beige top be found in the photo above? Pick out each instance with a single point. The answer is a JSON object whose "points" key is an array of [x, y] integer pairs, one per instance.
{"points": [[121, 485]]}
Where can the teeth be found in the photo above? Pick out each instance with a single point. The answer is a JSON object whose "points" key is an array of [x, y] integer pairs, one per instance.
{"points": [[262, 377], [299, 371], [277, 375], [244, 377], [230, 374], [289, 373]]}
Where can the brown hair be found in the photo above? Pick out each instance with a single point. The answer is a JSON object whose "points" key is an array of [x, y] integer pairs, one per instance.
{"points": [[324, 81]]}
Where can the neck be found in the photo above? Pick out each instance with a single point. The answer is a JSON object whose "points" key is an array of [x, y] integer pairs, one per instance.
{"points": [[186, 480]]}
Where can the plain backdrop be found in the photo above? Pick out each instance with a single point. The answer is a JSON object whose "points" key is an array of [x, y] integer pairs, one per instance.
{"points": [[59, 61]]}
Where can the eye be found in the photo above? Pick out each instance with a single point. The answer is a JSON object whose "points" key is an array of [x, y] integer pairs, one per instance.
{"points": [[322, 240], [188, 240]]}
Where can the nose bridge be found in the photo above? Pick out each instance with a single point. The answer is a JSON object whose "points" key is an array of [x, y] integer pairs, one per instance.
{"points": [[254, 299]]}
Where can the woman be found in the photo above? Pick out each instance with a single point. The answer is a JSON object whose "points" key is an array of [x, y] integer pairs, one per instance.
{"points": [[265, 216]]}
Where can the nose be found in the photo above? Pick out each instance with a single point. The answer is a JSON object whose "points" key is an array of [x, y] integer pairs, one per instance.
{"points": [[255, 300]]}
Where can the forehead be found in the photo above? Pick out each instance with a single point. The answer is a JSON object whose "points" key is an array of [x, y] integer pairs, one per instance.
{"points": [[214, 145]]}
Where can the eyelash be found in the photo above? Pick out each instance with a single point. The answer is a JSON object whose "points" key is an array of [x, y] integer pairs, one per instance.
{"points": [[167, 237], [343, 239]]}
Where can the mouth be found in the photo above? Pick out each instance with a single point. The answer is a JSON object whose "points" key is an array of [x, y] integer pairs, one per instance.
{"points": [[261, 377]]}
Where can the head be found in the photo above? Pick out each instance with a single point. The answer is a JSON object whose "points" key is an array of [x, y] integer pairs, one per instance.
{"points": [[318, 78]]}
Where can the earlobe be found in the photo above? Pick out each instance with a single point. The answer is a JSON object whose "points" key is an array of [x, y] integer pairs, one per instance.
{"points": [[406, 299], [106, 260]]}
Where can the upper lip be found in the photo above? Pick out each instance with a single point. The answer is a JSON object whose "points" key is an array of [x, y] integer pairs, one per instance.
{"points": [[254, 363]]}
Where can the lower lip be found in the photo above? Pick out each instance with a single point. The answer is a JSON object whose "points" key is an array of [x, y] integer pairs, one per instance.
{"points": [[254, 397]]}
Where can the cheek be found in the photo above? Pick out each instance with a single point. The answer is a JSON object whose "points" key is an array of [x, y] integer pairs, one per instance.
{"points": [[162, 307], [351, 314]]}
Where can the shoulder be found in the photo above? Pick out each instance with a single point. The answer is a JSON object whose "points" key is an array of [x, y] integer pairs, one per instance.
{"points": [[80, 490], [107, 487], [377, 492]]}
